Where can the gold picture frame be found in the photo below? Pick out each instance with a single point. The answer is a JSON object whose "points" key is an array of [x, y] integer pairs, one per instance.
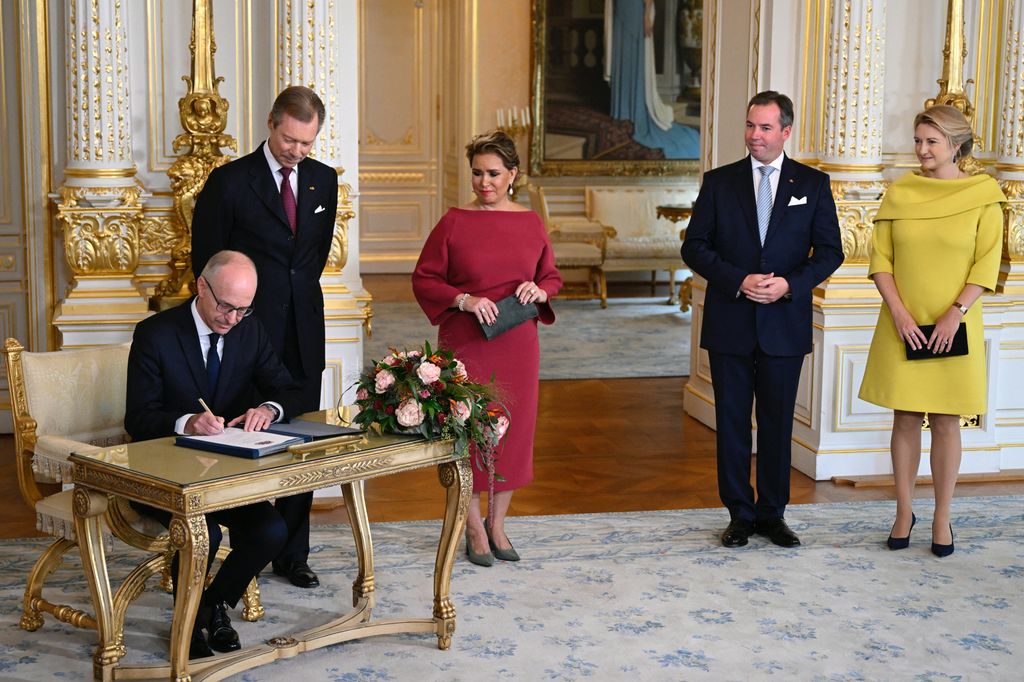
{"points": [[552, 22]]}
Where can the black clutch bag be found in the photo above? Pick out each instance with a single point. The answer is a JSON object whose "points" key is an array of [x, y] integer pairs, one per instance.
{"points": [[511, 313], [959, 346]]}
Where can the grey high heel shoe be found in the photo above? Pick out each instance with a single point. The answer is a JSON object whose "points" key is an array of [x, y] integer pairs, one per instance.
{"points": [[509, 554], [484, 559]]}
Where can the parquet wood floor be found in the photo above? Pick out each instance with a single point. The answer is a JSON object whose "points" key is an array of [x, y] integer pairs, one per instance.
{"points": [[604, 445]]}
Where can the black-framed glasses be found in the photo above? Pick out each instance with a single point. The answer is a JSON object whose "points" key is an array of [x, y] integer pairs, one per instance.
{"points": [[243, 310]]}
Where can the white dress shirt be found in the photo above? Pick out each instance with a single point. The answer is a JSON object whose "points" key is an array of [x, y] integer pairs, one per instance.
{"points": [[275, 168]]}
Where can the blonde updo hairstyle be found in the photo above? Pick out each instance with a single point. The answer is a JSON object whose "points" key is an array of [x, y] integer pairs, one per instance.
{"points": [[952, 123]]}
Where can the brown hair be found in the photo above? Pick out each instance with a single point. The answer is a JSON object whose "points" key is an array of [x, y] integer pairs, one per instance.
{"points": [[495, 142], [953, 125], [300, 103], [784, 104]]}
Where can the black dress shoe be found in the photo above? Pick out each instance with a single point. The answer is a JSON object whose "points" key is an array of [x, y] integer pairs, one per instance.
{"points": [[222, 637], [298, 573], [778, 532], [737, 533], [198, 647]]}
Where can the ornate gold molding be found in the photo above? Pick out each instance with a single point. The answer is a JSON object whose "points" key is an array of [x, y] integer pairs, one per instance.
{"points": [[338, 256], [404, 177], [203, 114], [856, 222], [101, 237]]}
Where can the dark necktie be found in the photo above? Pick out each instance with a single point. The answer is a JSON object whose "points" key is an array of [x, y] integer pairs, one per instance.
{"points": [[213, 363], [288, 197]]}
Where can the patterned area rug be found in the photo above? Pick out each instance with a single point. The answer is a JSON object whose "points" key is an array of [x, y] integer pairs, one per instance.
{"points": [[632, 337], [649, 596]]}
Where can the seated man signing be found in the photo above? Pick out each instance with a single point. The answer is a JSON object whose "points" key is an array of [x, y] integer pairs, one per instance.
{"points": [[211, 349]]}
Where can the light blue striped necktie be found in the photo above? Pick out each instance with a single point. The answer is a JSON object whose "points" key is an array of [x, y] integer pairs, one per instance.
{"points": [[764, 201]]}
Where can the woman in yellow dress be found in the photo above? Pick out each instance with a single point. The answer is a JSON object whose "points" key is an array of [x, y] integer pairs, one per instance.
{"points": [[937, 246]]}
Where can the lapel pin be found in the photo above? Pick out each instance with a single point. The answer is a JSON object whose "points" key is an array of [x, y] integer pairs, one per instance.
{"points": [[311, 187], [791, 179]]}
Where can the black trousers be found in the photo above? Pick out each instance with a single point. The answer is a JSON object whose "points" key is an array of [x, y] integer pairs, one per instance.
{"points": [[295, 509], [738, 380], [257, 535]]}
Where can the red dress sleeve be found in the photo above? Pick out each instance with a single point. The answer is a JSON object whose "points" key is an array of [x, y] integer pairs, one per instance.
{"points": [[547, 277], [430, 278]]}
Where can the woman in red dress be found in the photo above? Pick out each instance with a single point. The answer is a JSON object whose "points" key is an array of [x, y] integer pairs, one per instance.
{"points": [[475, 256]]}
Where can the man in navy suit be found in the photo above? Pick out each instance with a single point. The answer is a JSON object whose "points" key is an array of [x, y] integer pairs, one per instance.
{"points": [[278, 207], [763, 234], [210, 348]]}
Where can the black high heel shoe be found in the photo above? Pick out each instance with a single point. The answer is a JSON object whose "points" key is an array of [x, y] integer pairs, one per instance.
{"points": [[944, 550], [901, 543]]}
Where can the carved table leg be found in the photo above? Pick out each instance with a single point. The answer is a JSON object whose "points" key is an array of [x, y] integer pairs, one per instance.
{"points": [[355, 503], [457, 478], [89, 507], [189, 536]]}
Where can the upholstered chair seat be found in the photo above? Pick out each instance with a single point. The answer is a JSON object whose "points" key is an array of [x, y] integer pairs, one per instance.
{"points": [[71, 402]]}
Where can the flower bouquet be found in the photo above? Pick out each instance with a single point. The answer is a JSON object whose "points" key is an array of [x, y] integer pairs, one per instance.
{"points": [[428, 392]]}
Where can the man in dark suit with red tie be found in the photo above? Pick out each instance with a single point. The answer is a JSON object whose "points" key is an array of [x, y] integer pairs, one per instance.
{"points": [[278, 207], [763, 234], [211, 349]]}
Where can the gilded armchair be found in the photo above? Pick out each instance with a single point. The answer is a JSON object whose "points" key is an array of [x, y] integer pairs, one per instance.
{"points": [[71, 401], [578, 244]]}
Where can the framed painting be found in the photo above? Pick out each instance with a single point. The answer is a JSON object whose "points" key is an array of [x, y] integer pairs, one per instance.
{"points": [[616, 87]]}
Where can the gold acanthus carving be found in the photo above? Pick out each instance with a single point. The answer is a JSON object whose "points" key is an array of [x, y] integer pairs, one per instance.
{"points": [[100, 237], [157, 234], [1013, 218], [203, 115], [856, 223], [338, 256], [122, 486]]}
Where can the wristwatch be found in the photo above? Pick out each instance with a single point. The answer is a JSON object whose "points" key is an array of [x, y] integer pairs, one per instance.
{"points": [[273, 409], [960, 306]]}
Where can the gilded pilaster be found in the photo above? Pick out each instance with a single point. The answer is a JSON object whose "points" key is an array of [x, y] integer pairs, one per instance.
{"points": [[1010, 147], [100, 203], [310, 49], [852, 140]]}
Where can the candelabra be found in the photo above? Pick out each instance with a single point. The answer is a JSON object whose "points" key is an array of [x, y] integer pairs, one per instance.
{"points": [[514, 121]]}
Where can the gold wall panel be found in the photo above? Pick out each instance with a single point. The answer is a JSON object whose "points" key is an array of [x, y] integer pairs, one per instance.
{"points": [[11, 143]]}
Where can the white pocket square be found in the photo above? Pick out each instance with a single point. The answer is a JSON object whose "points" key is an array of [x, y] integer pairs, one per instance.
{"points": [[321, 209], [793, 201]]}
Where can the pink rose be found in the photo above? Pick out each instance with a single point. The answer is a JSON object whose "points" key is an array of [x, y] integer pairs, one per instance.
{"points": [[502, 425], [391, 361], [460, 371], [424, 393], [461, 411], [384, 381], [409, 413], [362, 394], [428, 372], [414, 354]]}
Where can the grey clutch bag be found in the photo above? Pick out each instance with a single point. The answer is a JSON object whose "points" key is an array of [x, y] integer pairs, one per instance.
{"points": [[511, 313]]}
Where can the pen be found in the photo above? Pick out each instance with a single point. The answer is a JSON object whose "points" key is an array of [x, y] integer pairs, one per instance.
{"points": [[205, 406]]}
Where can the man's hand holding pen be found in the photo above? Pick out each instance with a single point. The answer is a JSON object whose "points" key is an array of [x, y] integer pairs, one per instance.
{"points": [[204, 423]]}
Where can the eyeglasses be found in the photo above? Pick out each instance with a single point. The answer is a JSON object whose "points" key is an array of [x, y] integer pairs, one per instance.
{"points": [[226, 309]]}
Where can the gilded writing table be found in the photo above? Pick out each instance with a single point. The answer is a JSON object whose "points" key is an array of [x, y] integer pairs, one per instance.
{"points": [[189, 483]]}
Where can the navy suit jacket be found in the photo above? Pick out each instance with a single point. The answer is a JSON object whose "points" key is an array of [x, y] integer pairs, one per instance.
{"points": [[167, 373], [240, 208], [723, 246]]}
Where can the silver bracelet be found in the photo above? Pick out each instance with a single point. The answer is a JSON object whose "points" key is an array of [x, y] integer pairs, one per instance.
{"points": [[462, 302]]}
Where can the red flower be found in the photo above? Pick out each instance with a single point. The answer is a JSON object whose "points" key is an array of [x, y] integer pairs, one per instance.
{"points": [[377, 404], [390, 409]]}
